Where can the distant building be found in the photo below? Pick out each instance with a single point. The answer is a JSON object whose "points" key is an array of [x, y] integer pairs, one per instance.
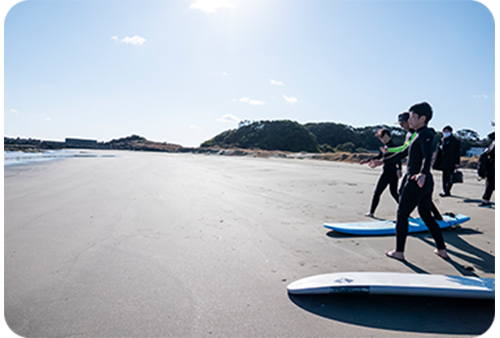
{"points": [[474, 152], [80, 143], [52, 144]]}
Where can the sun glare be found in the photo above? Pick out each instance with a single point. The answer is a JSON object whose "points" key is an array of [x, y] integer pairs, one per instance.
{"points": [[211, 6]]}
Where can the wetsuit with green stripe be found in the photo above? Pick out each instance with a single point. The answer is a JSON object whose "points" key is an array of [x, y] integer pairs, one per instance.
{"points": [[410, 136], [419, 161]]}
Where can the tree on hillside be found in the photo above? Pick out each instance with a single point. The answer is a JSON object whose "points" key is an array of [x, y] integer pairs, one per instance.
{"points": [[291, 136], [283, 135], [468, 135], [468, 139], [347, 147], [333, 134]]}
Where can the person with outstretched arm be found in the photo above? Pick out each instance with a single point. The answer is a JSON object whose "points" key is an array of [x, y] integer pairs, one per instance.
{"points": [[419, 184], [390, 174]]}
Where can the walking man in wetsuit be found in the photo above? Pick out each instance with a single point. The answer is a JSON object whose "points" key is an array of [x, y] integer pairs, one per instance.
{"points": [[418, 185], [410, 135]]}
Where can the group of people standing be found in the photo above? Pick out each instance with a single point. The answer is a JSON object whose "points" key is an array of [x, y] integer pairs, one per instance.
{"points": [[418, 184]]}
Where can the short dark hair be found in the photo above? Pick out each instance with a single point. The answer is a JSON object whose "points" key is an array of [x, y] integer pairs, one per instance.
{"points": [[449, 128], [382, 132], [403, 117], [422, 109]]}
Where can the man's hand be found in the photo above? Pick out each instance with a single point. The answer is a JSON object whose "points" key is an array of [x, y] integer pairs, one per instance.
{"points": [[375, 163], [384, 150], [420, 178]]}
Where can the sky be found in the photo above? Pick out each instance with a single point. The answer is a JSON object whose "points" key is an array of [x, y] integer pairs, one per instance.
{"points": [[183, 71]]}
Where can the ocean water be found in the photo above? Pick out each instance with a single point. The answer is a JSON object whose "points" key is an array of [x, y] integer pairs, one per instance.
{"points": [[19, 157]]}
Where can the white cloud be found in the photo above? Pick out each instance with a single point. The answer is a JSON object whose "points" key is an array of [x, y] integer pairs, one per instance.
{"points": [[193, 126], [480, 96], [48, 119], [250, 101], [135, 40], [14, 111], [211, 6], [224, 73], [228, 118], [291, 99], [115, 38], [276, 83]]}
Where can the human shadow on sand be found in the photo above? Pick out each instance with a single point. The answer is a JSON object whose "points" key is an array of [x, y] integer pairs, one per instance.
{"points": [[471, 200], [335, 234], [432, 315], [458, 246]]}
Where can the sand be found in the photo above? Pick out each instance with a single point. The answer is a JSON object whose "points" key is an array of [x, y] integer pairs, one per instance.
{"points": [[160, 245]]}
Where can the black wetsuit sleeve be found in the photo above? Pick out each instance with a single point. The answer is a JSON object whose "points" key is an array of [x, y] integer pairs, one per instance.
{"points": [[378, 157], [426, 139]]}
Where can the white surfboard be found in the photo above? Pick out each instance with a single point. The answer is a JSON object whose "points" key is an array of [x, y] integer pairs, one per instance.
{"points": [[374, 228], [392, 283]]}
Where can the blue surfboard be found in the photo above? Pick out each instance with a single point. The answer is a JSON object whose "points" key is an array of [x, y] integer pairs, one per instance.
{"points": [[374, 228]]}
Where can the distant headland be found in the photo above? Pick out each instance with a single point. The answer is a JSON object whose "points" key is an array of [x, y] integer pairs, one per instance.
{"points": [[283, 138], [133, 142]]}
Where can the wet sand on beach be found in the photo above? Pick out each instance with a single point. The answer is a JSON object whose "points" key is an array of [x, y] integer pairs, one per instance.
{"points": [[184, 245]]}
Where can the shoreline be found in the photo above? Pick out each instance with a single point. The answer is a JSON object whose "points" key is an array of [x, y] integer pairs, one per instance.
{"points": [[465, 162]]}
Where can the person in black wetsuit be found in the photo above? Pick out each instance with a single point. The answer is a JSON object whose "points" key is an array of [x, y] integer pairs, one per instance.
{"points": [[390, 174], [418, 185], [410, 135]]}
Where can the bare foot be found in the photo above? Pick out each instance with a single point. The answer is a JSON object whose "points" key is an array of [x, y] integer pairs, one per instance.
{"points": [[442, 253], [400, 256], [369, 214]]}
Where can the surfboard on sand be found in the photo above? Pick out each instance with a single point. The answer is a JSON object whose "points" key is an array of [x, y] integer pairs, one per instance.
{"points": [[392, 283], [389, 227]]}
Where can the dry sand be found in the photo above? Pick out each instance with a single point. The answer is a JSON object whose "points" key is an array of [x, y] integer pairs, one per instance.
{"points": [[157, 244]]}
